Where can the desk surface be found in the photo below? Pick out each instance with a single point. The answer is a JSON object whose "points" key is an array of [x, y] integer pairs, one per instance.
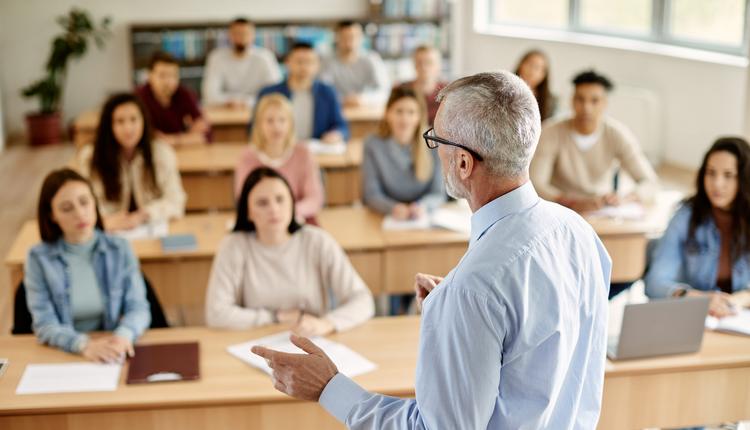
{"points": [[224, 378], [222, 157], [223, 116]]}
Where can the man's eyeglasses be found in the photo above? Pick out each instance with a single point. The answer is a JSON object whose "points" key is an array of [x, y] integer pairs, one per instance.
{"points": [[432, 142]]}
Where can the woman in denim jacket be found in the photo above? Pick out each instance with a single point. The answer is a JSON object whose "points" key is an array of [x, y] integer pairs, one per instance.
{"points": [[706, 248], [79, 279]]}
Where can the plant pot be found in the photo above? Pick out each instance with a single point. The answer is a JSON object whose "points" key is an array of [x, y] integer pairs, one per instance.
{"points": [[44, 128]]}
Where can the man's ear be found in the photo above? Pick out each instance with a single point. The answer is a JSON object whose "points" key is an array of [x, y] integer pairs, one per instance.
{"points": [[465, 164]]}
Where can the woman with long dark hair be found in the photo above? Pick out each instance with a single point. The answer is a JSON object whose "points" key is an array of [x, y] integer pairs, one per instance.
{"points": [[80, 279], [272, 269], [135, 179], [534, 70], [706, 248]]}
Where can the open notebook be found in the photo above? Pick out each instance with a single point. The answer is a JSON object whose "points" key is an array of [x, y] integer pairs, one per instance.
{"points": [[739, 323]]}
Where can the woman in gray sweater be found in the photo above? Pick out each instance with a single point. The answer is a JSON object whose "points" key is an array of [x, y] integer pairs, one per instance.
{"points": [[401, 176]]}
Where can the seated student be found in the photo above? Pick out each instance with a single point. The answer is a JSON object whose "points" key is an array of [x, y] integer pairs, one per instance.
{"points": [[428, 65], [135, 179], [534, 70], [400, 175], [80, 279], [271, 269], [173, 109], [274, 145], [234, 74], [705, 250], [576, 159], [359, 76], [317, 113]]}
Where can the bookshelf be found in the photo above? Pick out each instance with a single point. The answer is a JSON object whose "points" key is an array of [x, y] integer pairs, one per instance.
{"points": [[393, 28]]}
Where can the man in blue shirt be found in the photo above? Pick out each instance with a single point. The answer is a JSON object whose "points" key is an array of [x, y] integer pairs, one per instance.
{"points": [[514, 337]]}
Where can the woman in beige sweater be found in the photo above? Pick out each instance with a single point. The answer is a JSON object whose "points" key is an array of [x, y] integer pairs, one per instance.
{"points": [[271, 269], [135, 179]]}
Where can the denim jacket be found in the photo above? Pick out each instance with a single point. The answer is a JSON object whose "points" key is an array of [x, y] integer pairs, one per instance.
{"points": [[47, 282], [676, 264]]}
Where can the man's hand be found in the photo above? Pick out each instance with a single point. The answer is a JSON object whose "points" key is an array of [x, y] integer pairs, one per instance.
{"points": [[423, 284], [302, 376], [333, 136]]}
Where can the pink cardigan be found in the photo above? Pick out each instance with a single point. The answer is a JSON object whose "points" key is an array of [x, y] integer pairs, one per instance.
{"points": [[300, 170]]}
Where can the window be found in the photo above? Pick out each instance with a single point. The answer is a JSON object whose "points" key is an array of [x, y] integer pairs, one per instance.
{"points": [[717, 25]]}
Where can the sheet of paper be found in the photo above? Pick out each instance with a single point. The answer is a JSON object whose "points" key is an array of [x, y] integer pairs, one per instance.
{"points": [[628, 211], [456, 217], [739, 323], [421, 223], [68, 378], [318, 147], [349, 362], [146, 231]]}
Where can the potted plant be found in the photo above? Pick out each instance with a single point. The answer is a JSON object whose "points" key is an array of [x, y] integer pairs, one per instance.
{"points": [[79, 29]]}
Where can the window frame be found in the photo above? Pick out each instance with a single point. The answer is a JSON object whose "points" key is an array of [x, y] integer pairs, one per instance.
{"points": [[660, 32]]}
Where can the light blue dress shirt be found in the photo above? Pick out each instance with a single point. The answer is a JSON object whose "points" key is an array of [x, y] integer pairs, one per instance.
{"points": [[513, 338]]}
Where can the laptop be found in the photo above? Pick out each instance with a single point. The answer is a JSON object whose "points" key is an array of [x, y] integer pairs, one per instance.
{"points": [[660, 327]]}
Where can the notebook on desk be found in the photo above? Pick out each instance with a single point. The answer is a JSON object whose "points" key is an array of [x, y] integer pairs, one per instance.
{"points": [[179, 242], [736, 324], [165, 362]]}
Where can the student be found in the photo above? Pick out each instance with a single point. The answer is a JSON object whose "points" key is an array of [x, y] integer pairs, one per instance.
{"points": [[135, 179], [236, 73], [400, 175], [577, 158], [317, 113], [274, 145], [706, 248], [359, 76], [534, 70], [272, 270], [79, 279], [428, 65], [174, 110]]}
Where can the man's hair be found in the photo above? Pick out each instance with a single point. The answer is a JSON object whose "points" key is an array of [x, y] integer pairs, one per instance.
{"points": [[494, 114], [241, 20], [591, 77], [298, 45], [161, 57], [346, 24]]}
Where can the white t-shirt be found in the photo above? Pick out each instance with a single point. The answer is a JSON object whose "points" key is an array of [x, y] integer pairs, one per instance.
{"points": [[303, 107], [229, 77]]}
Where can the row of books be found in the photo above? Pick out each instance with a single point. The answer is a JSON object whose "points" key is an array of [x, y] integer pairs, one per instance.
{"points": [[397, 40], [413, 8]]}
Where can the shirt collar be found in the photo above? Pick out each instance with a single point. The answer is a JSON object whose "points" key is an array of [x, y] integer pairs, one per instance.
{"points": [[515, 201]]}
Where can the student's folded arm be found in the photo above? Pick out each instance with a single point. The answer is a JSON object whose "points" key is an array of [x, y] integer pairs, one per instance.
{"points": [[172, 202], [542, 166], [456, 384], [46, 324], [223, 295], [352, 299], [666, 262], [435, 196], [136, 312], [373, 194], [312, 198], [211, 85], [635, 163]]}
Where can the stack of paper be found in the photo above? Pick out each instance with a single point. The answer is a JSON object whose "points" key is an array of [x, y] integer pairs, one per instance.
{"points": [[421, 223], [318, 147], [347, 361], [145, 231], [627, 211], [69, 378], [739, 323]]}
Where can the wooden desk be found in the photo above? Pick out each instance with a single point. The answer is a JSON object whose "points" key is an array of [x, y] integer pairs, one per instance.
{"points": [[207, 173], [230, 394], [230, 125], [708, 387]]}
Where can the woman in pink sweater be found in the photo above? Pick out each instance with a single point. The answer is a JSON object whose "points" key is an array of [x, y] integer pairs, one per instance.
{"points": [[272, 144]]}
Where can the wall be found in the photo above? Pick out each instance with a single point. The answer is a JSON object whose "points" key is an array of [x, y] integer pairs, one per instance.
{"points": [[25, 35], [699, 100]]}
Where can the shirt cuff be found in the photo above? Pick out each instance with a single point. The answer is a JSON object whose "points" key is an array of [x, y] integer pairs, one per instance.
{"points": [[125, 333], [340, 396]]}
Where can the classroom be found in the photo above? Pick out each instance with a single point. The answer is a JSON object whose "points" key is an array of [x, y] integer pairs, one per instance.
{"points": [[375, 214]]}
